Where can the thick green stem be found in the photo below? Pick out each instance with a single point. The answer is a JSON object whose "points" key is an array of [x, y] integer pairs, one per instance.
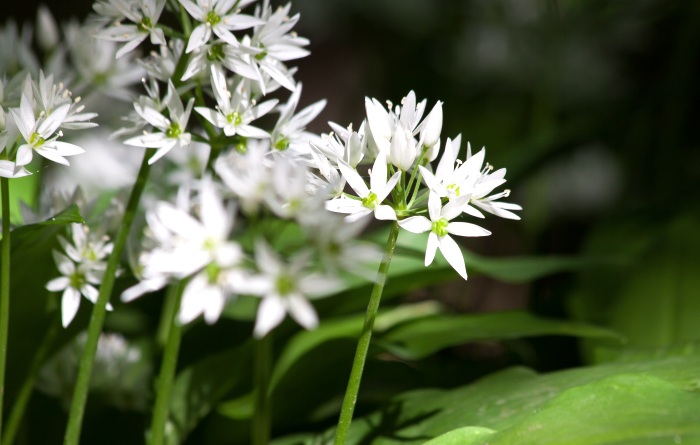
{"points": [[358, 363], [25, 391], [261, 382], [166, 377], [82, 384], [4, 285]]}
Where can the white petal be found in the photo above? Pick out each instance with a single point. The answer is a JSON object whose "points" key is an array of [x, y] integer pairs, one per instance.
{"points": [[192, 305], [384, 192], [90, 292], [52, 155], [453, 255], [24, 155], [434, 206], [430, 179], [430, 249], [466, 229], [66, 149], [302, 311], [58, 284], [384, 213], [455, 207], [416, 224], [354, 179], [200, 36], [69, 305], [270, 313], [378, 176]]}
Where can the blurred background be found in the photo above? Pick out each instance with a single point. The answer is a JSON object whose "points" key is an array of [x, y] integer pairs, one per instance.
{"points": [[593, 108]]}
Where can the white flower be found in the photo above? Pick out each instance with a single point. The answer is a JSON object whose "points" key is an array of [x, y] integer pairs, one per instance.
{"points": [[235, 111], [75, 280], [431, 127], [370, 198], [289, 131], [285, 288], [172, 130], [247, 175], [214, 17], [144, 14], [440, 227], [40, 135]]}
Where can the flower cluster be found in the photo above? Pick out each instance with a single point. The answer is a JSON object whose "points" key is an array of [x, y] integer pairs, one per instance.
{"points": [[82, 265]]}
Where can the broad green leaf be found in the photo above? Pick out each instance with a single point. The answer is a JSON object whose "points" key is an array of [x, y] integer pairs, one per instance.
{"points": [[200, 387], [347, 327], [506, 399], [32, 308], [462, 436], [624, 408], [419, 338]]}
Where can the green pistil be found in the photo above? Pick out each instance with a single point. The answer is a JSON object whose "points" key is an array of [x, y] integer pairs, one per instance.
{"points": [[212, 270], [174, 130], [261, 55], [77, 280], [440, 227], [215, 53], [36, 140], [212, 18], [370, 201], [146, 25], [285, 285], [282, 144], [242, 146], [454, 188], [234, 118]]}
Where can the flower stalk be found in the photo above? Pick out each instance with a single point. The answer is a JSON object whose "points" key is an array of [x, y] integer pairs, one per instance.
{"points": [[358, 363], [4, 285], [166, 377], [82, 384], [261, 414]]}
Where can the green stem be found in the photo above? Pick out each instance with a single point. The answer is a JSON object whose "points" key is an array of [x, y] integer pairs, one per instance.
{"points": [[358, 363], [25, 391], [261, 415], [170, 307], [82, 384], [4, 284], [166, 377]]}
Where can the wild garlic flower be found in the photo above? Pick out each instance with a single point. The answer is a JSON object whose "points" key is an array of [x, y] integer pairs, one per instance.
{"points": [[290, 132], [143, 14], [285, 288], [215, 16], [235, 111], [41, 134], [81, 268], [370, 199], [440, 227], [172, 129]]}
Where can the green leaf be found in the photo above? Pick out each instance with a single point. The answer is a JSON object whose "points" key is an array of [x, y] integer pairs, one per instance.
{"points": [[70, 215], [619, 409], [509, 398], [420, 338], [462, 436], [347, 327], [200, 387]]}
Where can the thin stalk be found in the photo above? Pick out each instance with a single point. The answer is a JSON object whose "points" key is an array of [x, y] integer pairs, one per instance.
{"points": [[358, 363], [82, 384], [170, 307], [4, 284], [261, 380], [25, 391], [166, 377]]}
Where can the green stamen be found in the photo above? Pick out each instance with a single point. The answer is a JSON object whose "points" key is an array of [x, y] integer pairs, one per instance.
{"points": [[36, 140], [439, 227], [454, 188], [146, 25], [174, 130], [285, 285], [282, 144], [212, 18], [234, 118], [370, 201], [215, 53]]}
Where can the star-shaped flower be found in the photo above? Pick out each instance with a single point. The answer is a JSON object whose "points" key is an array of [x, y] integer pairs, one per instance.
{"points": [[440, 227], [370, 198]]}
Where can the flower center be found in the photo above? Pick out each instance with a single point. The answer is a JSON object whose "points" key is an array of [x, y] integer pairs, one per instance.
{"points": [[285, 285], [454, 188], [439, 227], [212, 18], [242, 146], [282, 144], [261, 55], [370, 201], [36, 140], [212, 270], [234, 118], [77, 280], [215, 53], [173, 130], [145, 25]]}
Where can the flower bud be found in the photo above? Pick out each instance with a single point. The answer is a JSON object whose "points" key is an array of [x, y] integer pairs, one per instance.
{"points": [[46, 29], [430, 134], [402, 151]]}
